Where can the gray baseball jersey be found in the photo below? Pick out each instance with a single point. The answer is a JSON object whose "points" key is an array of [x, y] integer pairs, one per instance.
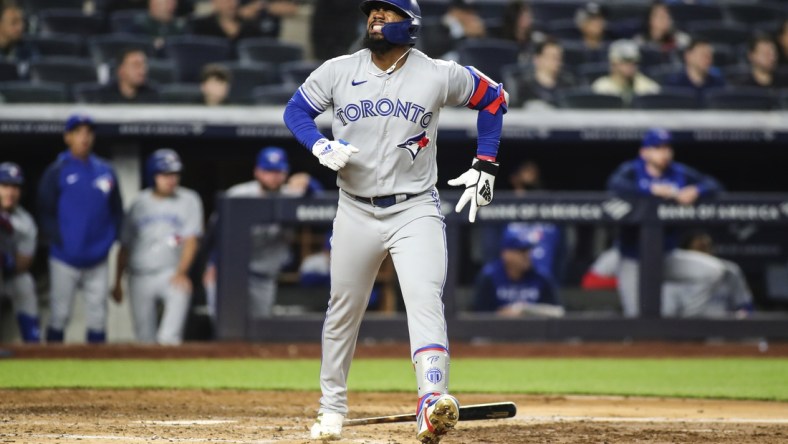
{"points": [[23, 241], [391, 119]]}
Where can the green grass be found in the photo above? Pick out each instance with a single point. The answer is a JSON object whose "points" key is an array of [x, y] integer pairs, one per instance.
{"points": [[735, 378]]}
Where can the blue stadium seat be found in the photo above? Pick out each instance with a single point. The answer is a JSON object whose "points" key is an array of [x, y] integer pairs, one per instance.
{"points": [[180, 93], [488, 55], [26, 92], [585, 98], [725, 56], [191, 53], [246, 77], [68, 45], [575, 54], [685, 13], [106, 48], [545, 11], [754, 14], [742, 99], [36, 6], [268, 50], [68, 70], [68, 21], [296, 73], [667, 98], [589, 72], [161, 71], [122, 22], [784, 100], [273, 94], [720, 33], [86, 92], [433, 8], [8, 71]]}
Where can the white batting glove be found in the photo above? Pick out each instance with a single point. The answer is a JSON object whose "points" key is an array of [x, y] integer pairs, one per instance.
{"points": [[333, 153], [478, 181]]}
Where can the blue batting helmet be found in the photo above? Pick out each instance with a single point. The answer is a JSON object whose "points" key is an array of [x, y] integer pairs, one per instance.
{"points": [[405, 32], [11, 174], [656, 137], [162, 161]]}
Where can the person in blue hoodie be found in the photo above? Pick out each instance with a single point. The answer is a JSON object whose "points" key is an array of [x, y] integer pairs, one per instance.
{"points": [[655, 175], [80, 213]]}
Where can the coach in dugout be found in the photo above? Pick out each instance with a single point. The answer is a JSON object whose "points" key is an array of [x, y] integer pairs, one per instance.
{"points": [[655, 175], [80, 212]]}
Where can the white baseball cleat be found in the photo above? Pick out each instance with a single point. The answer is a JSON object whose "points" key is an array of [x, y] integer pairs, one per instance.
{"points": [[328, 426], [438, 416]]}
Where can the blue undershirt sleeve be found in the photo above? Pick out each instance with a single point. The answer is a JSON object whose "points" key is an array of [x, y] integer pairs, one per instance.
{"points": [[300, 120]]}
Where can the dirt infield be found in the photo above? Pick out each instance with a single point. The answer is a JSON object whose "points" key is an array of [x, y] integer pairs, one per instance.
{"points": [[228, 416]]}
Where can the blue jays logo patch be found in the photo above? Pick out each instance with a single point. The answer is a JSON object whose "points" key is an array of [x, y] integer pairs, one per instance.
{"points": [[433, 375], [415, 144]]}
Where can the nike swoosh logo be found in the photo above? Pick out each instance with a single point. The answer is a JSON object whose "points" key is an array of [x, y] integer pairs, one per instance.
{"points": [[354, 83]]}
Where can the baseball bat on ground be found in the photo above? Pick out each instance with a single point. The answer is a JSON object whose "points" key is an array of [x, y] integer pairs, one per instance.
{"points": [[495, 410]]}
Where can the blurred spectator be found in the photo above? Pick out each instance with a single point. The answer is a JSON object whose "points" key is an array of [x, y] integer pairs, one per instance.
{"points": [[697, 73], [80, 211], [159, 240], [12, 28], [335, 40], [183, 8], [762, 55], [270, 242], [547, 78], [625, 79], [215, 84], [655, 175], [131, 85], [590, 20], [782, 44], [160, 22], [315, 269], [463, 21], [18, 236], [518, 26], [226, 22], [267, 14], [659, 31], [526, 177], [511, 285]]}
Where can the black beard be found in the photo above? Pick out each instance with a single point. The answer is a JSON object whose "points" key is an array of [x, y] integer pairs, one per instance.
{"points": [[377, 46]]}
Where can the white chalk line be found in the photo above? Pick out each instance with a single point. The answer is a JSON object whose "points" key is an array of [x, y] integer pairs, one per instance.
{"points": [[661, 419], [124, 438]]}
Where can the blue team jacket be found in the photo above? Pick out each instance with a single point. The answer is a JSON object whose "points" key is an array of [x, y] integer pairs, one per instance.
{"points": [[494, 289], [632, 180], [80, 209]]}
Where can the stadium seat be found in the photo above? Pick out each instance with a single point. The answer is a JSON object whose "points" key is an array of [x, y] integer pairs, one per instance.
{"points": [[69, 70], [742, 99], [68, 21], [488, 55], [725, 56], [106, 48], [191, 53], [685, 13], [268, 50], [651, 56], [564, 29], [720, 33], [589, 72], [122, 22], [161, 71], [296, 73], [68, 45], [180, 93], [272, 94], [754, 14], [784, 100], [26, 92], [86, 92], [545, 11], [585, 98], [246, 77], [8, 71], [433, 8], [36, 6], [667, 98], [575, 54]]}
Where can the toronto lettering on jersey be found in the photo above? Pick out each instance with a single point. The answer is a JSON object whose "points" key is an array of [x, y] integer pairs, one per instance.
{"points": [[383, 108]]}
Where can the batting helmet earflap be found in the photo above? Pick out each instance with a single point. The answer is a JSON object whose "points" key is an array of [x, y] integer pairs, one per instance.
{"points": [[405, 32], [11, 174], [164, 160]]}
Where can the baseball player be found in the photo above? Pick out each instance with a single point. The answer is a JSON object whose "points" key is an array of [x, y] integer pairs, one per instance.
{"points": [[270, 242], [386, 101], [158, 244], [80, 211], [18, 233], [654, 174]]}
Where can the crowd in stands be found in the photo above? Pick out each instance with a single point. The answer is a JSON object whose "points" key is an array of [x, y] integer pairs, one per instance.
{"points": [[661, 54]]}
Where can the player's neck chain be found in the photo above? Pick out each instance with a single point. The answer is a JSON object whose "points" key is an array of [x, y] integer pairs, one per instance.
{"points": [[392, 67]]}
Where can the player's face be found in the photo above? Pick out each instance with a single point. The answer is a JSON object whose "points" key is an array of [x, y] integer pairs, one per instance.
{"points": [[379, 15], [80, 141], [516, 261], [167, 183], [270, 180], [659, 157], [9, 196]]}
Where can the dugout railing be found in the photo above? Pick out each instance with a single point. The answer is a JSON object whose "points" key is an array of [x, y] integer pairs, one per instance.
{"points": [[238, 215]]}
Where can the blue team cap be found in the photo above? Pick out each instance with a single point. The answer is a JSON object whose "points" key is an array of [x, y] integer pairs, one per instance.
{"points": [[11, 174], [515, 238], [657, 137], [76, 120], [272, 158]]}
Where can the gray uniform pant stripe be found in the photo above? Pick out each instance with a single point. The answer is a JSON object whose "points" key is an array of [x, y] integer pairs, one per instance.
{"points": [[690, 280], [65, 280], [413, 233], [145, 290]]}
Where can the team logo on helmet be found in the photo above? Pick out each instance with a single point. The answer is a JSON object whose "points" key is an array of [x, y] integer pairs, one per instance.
{"points": [[415, 144], [433, 375]]}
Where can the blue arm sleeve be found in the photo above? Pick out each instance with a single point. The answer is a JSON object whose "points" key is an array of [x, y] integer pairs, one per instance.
{"points": [[489, 99], [48, 196], [623, 181], [707, 185], [489, 128], [300, 120]]}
